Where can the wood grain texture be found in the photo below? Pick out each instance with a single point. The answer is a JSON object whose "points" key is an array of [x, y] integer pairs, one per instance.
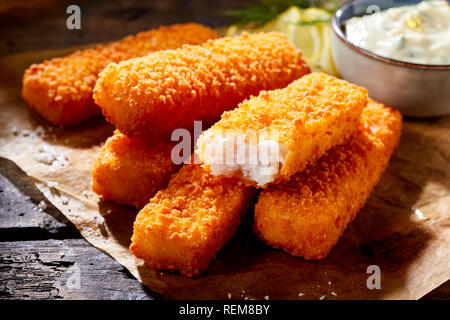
{"points": [[20, 215], [63, 269], [40, 250]]}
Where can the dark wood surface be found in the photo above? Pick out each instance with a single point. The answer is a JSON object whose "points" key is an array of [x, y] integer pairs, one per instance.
{"points": [[41, 253], [42, 256]]}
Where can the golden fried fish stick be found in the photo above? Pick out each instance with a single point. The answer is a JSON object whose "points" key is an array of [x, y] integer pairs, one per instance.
{"points": [[271, 137], [170, 89], [131, 170], [306, 215], [60, 90], [183, 226]]}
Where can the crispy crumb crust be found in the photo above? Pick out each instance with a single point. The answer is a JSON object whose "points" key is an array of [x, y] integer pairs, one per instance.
{"points": [[183, 226], [307, 215], [130, 171], [60, 89], [312, 114], [170, 89]]}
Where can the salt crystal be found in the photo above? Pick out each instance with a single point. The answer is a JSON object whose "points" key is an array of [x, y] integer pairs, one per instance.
{"points": [[301, 294], [419, 214], [42, 205], [322, 297], [100, 220], [49, 155], [40, 132], [229, 295], [52, 184], [266, 297], [64, 200], [334, 293]]}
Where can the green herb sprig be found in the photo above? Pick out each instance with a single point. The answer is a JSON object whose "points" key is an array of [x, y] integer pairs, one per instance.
{"points": [[266, 10]]}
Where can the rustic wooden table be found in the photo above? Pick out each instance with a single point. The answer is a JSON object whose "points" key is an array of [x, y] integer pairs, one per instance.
{"points": [[42, 256]]}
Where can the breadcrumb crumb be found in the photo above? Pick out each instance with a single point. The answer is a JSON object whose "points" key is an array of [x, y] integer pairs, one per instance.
{"points": [[302, 121]]}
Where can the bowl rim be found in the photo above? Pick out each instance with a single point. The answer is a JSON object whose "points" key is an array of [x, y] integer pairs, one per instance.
{"points": [[337, 28]]}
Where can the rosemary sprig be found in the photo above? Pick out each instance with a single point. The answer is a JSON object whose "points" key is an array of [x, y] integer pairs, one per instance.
{"points": [[266, 10]]}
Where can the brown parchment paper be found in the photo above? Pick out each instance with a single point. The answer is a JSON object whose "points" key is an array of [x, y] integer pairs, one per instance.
{"points": [[404, 227]]}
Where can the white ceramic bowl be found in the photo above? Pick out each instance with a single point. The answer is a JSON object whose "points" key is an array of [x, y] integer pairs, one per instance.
{"points": [[417, 90]]}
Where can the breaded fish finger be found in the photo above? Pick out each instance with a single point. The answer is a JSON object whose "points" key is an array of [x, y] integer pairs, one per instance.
{"points": [[60, 90], [183, 226], [169, 89], [306, 215], [271, 137], [130, 171]]}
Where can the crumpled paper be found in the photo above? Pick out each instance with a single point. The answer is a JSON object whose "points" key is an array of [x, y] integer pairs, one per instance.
{"points": [[404, 229]]}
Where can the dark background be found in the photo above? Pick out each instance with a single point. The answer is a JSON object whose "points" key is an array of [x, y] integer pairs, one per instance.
{"points": [[41, 24], [39, 249]]}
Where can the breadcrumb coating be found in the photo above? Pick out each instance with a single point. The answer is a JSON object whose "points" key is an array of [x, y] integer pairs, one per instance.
{"points": [[166, 90], [309, 116], [183, 226], [306, 215], [60, 90], [130, 171]]}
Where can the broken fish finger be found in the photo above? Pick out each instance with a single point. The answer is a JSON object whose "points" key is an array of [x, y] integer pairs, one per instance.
{"points": [[269, 138]]}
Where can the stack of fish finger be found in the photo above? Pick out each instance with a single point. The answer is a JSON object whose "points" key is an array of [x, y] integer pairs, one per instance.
{"points": [[307, 148]]}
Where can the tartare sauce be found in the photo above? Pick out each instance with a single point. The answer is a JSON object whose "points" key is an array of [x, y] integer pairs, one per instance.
{"points": [[418, 33]]}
